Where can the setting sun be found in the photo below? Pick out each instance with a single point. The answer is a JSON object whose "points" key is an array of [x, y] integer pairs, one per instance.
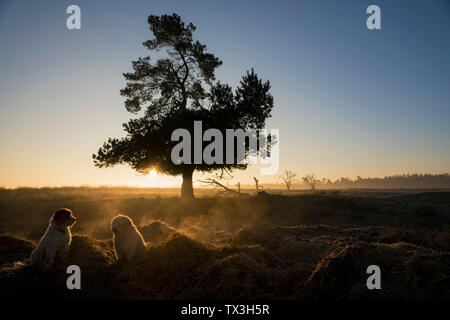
{"points": [[153, 173]]}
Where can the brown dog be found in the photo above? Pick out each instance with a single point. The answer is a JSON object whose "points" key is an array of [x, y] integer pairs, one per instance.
{"points": [[54, 244]]}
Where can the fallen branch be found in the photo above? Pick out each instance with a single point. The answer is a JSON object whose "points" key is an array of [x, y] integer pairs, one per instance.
{"points": [[216, 184]]}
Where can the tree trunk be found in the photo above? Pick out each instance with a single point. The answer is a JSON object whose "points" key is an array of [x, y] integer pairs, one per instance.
{"points": [[257, 186], [187, 191]]}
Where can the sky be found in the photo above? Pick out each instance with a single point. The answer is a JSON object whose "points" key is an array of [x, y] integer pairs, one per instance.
{"points": [[348, 100]]}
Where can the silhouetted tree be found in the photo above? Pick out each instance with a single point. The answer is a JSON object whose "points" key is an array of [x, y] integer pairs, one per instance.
{"points": [[311, 180], [256, 184], [288, 177], [176, 90]]}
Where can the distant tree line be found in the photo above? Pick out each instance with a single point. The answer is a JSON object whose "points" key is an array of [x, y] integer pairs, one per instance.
{"points": [[406, 181], [412, 181]]}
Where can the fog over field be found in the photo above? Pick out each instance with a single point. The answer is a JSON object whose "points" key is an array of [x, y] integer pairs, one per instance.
{"points": [[304, 245]]}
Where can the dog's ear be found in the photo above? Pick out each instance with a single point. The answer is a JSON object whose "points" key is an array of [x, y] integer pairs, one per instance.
{"points": [[62, 215]]}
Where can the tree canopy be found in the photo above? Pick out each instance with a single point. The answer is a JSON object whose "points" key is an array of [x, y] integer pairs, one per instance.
{"points": [[173, 92]]}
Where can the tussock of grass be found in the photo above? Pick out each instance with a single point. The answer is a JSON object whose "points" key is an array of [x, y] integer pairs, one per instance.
{"points": [[247, 236], [14, 248], [407, 271], [428, 276], [156, 232]]}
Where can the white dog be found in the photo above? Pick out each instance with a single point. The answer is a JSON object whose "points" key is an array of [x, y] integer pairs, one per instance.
{"points": [[54, 244], [128, 241]]}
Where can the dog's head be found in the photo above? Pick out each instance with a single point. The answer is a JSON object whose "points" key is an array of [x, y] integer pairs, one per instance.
{"points": [[64, 218], [121, 224]]}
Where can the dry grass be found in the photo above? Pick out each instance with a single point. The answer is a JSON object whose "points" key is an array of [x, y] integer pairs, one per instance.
{"points": [[254, 263], [311, 246], [13, 248], [408, 272]]}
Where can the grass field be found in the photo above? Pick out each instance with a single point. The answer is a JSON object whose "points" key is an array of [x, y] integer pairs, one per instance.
{"points": [[277, 246]]}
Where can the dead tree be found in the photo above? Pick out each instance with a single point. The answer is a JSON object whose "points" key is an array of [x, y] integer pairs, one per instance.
{"points": [[288, 178], [311, 180], [257, 185]]}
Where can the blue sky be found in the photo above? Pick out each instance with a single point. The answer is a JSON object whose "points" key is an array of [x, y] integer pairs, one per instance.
{"points": [[348, 101]]}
